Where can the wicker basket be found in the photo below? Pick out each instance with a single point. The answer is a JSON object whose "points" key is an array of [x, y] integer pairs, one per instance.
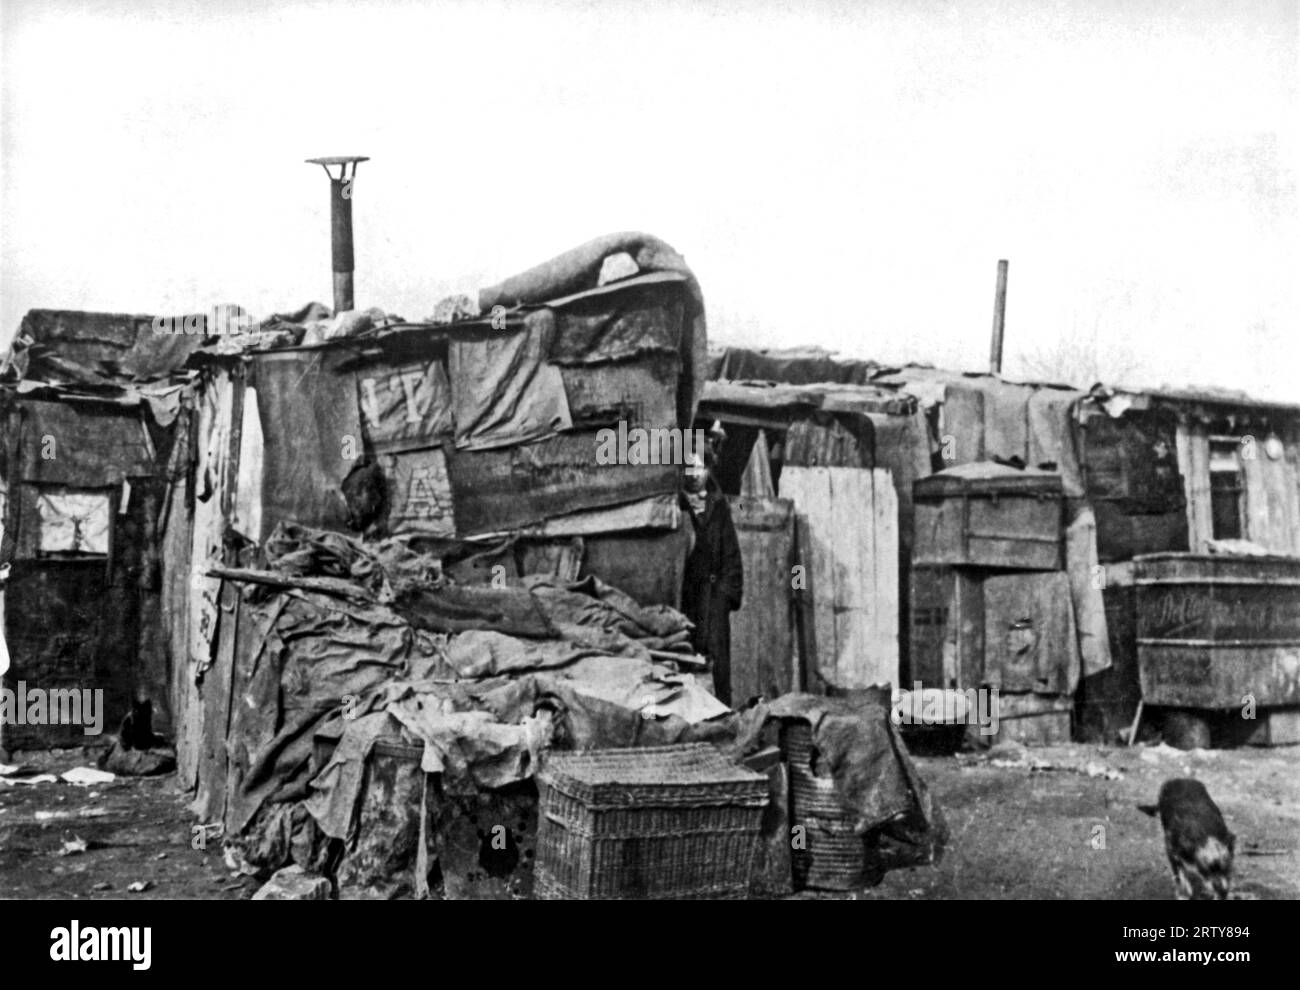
{"points": [[660, 822], [833, 856]]}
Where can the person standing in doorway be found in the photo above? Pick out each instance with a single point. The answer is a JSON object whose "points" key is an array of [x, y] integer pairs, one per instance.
{"points": [[714, 579]]}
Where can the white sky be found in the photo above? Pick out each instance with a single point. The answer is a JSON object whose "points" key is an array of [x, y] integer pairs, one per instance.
{"points": [[836, 174]]}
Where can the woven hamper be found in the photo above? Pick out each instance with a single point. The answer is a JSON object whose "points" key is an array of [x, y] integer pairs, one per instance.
{"points": [[833, 856], [662, 822]]}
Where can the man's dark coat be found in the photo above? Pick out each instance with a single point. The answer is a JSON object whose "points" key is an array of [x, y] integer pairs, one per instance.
{"points": [[713, 584]]}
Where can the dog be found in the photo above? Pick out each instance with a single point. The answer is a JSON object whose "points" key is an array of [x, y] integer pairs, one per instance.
{"points": [[1197, 841]]}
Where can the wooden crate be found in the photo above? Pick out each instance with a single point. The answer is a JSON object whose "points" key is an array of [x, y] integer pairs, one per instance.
{"points": [[987, 515], [973, 627]]}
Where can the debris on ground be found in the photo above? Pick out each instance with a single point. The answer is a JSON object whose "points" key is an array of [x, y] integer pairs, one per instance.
{"points": [[293, 883], [86, 776], [40, 778], [1163, 751], [1012, 755], [73, 846], [150, 762], [1101, 770]]}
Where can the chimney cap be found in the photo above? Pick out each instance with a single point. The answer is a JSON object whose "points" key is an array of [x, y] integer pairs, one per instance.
{"points": [[337, 160]]}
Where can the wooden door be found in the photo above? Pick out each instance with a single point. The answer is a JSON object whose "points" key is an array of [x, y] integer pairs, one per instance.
{"points": [[848, 520]]}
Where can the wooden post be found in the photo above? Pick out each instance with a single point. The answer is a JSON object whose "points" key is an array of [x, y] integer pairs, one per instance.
{"points": [[999, 317]]}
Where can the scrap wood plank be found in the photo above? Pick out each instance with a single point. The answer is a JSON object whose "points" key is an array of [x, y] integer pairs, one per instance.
{"points": [[803, 660], [210, 801], [762, 631], [275, 579], [1194, 465], [884, 501], [852, 521], [809, 489], [1272, 505]]}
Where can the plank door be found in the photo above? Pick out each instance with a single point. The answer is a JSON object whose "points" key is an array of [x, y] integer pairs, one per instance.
{"points": [[849, 517], [762, 636]]}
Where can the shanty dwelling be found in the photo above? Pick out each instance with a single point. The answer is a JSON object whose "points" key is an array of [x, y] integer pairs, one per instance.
{"points": [[374, 575], [1024, 513], [96, 505], [930, 619], [473, 440], [430, 553]]}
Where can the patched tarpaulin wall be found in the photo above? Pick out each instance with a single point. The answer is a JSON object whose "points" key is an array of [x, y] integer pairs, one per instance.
{"points": [[311, 430], [487, 425], [609, 261]]}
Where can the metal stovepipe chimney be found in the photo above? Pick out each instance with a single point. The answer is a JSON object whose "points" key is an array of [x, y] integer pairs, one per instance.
{"points": [[341, 187]]}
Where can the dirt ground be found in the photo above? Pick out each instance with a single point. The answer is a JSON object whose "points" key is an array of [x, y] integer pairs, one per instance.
{"points": [[1050, 822], [1060, 833], [137, 830]]}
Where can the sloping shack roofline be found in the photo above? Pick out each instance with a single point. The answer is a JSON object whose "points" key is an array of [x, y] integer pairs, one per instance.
{"points": [[397, 336], [1184, 398], [904, 381]]}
